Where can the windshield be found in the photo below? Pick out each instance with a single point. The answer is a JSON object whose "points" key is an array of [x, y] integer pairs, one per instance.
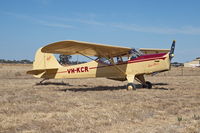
{"points": [[134, 53]]}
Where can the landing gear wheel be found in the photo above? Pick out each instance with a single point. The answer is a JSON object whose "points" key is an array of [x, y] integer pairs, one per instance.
{"points": [[131, 86], [148, 85]]}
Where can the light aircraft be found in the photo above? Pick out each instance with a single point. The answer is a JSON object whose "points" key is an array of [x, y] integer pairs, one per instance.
{"points": [[112, 62]]}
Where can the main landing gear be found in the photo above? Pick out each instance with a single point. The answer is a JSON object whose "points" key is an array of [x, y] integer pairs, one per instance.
{"points": [[147, 85], [131, 86], [140, 79]]}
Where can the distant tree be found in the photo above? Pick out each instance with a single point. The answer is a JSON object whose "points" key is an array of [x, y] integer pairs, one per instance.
{"points": [[65, 59]]}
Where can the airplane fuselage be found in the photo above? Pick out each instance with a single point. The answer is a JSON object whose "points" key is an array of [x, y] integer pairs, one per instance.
{"points": [[145, 64]]}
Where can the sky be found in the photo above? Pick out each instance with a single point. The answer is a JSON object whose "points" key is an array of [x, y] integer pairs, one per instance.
{"points": [[26, 25]]}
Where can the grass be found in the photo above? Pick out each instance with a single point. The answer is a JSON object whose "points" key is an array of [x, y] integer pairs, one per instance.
{"points": [[98, 105]]}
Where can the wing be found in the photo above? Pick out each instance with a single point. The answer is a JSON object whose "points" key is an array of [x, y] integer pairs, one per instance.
{"points": [[153, 51], [85, 48]]}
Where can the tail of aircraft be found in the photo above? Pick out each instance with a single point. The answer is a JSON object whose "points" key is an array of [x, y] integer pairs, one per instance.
{"points": [[43, 63], [45, 60]]}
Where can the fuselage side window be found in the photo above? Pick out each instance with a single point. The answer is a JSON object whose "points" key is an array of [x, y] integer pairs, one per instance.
{"points": [[120, 59], [104, 61]]}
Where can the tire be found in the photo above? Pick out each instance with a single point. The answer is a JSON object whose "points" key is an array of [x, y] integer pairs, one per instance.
{"points": [[148, 85], [131, 86]]}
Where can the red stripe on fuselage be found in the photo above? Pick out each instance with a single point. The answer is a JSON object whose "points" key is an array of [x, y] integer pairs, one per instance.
{"points": [[63, 72], [147, 57]]}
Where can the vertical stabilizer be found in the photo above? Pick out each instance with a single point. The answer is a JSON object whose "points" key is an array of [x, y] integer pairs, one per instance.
{"points": [[45, 61]]}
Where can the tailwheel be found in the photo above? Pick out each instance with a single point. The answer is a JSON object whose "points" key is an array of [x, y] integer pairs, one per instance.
{"points": [[131, 86], [148, 85]]}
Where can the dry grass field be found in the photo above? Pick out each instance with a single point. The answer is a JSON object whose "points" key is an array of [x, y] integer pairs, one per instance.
{"points": [[99, 105]]}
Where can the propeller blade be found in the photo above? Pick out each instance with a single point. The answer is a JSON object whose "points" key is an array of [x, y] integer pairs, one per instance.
{"points": [[172, 50]]}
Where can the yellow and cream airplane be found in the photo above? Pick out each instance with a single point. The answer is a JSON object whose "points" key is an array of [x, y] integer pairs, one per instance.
{"points": [[112, 62]]}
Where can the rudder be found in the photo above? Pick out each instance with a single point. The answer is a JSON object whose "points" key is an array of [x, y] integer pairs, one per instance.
{"points": [[45, 61]]}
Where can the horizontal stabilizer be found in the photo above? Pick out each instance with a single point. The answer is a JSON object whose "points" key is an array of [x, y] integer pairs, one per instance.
{"points": [[39, 71]]}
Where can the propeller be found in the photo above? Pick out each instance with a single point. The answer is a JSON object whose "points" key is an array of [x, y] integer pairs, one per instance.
{"points": [[171, 53]]}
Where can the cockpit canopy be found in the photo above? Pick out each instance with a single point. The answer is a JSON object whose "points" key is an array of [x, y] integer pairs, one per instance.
{"points": [[132, 54]]}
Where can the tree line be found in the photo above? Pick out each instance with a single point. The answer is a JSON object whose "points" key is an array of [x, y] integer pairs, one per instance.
{"points": [[16, 61]]}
